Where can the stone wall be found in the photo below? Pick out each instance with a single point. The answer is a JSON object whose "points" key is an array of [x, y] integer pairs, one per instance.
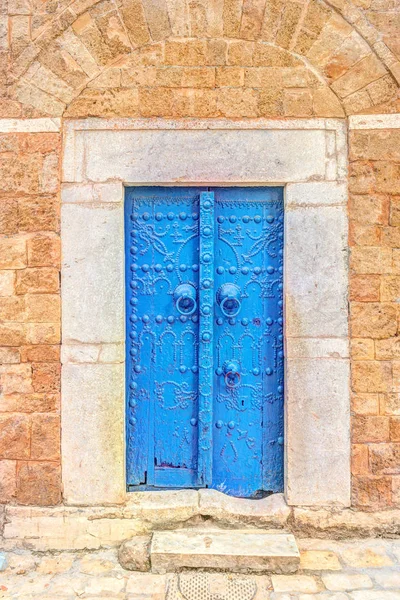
{"points": [[374, 210], [207, 59], [29, 318]]}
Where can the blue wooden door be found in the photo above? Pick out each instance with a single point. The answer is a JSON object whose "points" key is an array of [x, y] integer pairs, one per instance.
{"points": [[205, 338]]}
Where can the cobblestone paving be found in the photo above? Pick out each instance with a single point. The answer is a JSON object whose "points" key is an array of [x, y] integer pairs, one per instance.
{"points": [[330, 570]]}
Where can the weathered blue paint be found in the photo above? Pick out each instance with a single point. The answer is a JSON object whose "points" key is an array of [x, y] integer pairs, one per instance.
{"points": [[205, 338]]}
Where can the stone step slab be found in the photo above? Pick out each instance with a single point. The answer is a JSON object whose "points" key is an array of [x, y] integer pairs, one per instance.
{"points": [[239, 550]]}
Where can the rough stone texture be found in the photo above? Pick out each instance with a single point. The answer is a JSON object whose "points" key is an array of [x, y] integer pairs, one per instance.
{"points": [[374, 239], [240, 550], [29, 312], [97, 574], [96, 59], [134, 554]]}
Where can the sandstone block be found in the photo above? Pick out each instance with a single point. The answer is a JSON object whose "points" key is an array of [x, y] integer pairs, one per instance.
{"points": [[46, 377], [391, 404], [14, 436], [8, 475], [390, 288], [374, 320], [45, 440], [9, 356], [361, 74], [297, 103], [12, 308], [371, 260], [40, 353], [7, 283], [37, 280], [365, 288], [229, 77], [240, 53], [369, 209], [232, 18], [370, 429], [156, 13], [135, 21], [43, 308], [326, 104], [361, 234], [31, 403], [185, 52], [43, 333], [371, 493], [375, 144], [233, 102], [385, 459], [387, 349], [134, 554], [359, 459], [13, 334], [12, 252], [38, 483], [362, 349], [365, 404], [16, 379], [8, 216], [395, 429], [395, 210], [371, 376]]}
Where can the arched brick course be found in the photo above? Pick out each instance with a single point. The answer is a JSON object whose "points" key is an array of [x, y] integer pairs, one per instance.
{"points": [[89, 47]]}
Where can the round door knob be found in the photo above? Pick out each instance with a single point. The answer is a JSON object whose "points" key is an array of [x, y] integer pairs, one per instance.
{"points": [[228, 298], [231, 373], [185, 299]]}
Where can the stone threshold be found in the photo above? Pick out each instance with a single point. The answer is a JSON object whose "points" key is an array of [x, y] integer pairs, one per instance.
{"points": [[212, 549], [94, 527]]}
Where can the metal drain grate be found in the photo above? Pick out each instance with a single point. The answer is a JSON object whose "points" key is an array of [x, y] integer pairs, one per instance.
{"points": [[197, 586]]}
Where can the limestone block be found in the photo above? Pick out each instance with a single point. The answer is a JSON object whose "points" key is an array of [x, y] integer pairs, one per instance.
{"points": [[235, 550], [101, 192], [317, 432], [167, 506], [350, 523], [134, 554], [271, 511], [93, 433], [92, 273], [317, 348], [324, 193], [221, 156], [316, 272]]}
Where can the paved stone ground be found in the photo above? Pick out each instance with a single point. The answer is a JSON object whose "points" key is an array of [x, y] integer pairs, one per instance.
{"points": [[330, 570]]}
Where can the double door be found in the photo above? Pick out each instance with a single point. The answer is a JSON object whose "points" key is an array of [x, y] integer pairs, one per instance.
{"points": [[205, 338]]}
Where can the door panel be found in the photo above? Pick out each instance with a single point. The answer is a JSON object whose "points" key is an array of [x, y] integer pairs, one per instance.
{"points": [[163, 348], [249, 234], [204, 338]]}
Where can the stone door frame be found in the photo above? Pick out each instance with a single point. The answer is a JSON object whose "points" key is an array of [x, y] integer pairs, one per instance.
{"points": [[309, 158]]}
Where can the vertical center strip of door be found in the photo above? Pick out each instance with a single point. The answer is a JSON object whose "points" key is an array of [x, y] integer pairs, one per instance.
{"points": [[206, 371]]}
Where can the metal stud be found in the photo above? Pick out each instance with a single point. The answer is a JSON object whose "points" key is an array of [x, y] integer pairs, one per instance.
{"points": [[219, 424], [170, 216]]}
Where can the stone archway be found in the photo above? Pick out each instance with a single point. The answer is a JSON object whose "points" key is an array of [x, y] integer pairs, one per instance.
{"points": [[84, 50]]}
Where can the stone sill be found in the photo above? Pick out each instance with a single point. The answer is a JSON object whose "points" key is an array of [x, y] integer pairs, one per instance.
{"points": [[77, 528]]}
